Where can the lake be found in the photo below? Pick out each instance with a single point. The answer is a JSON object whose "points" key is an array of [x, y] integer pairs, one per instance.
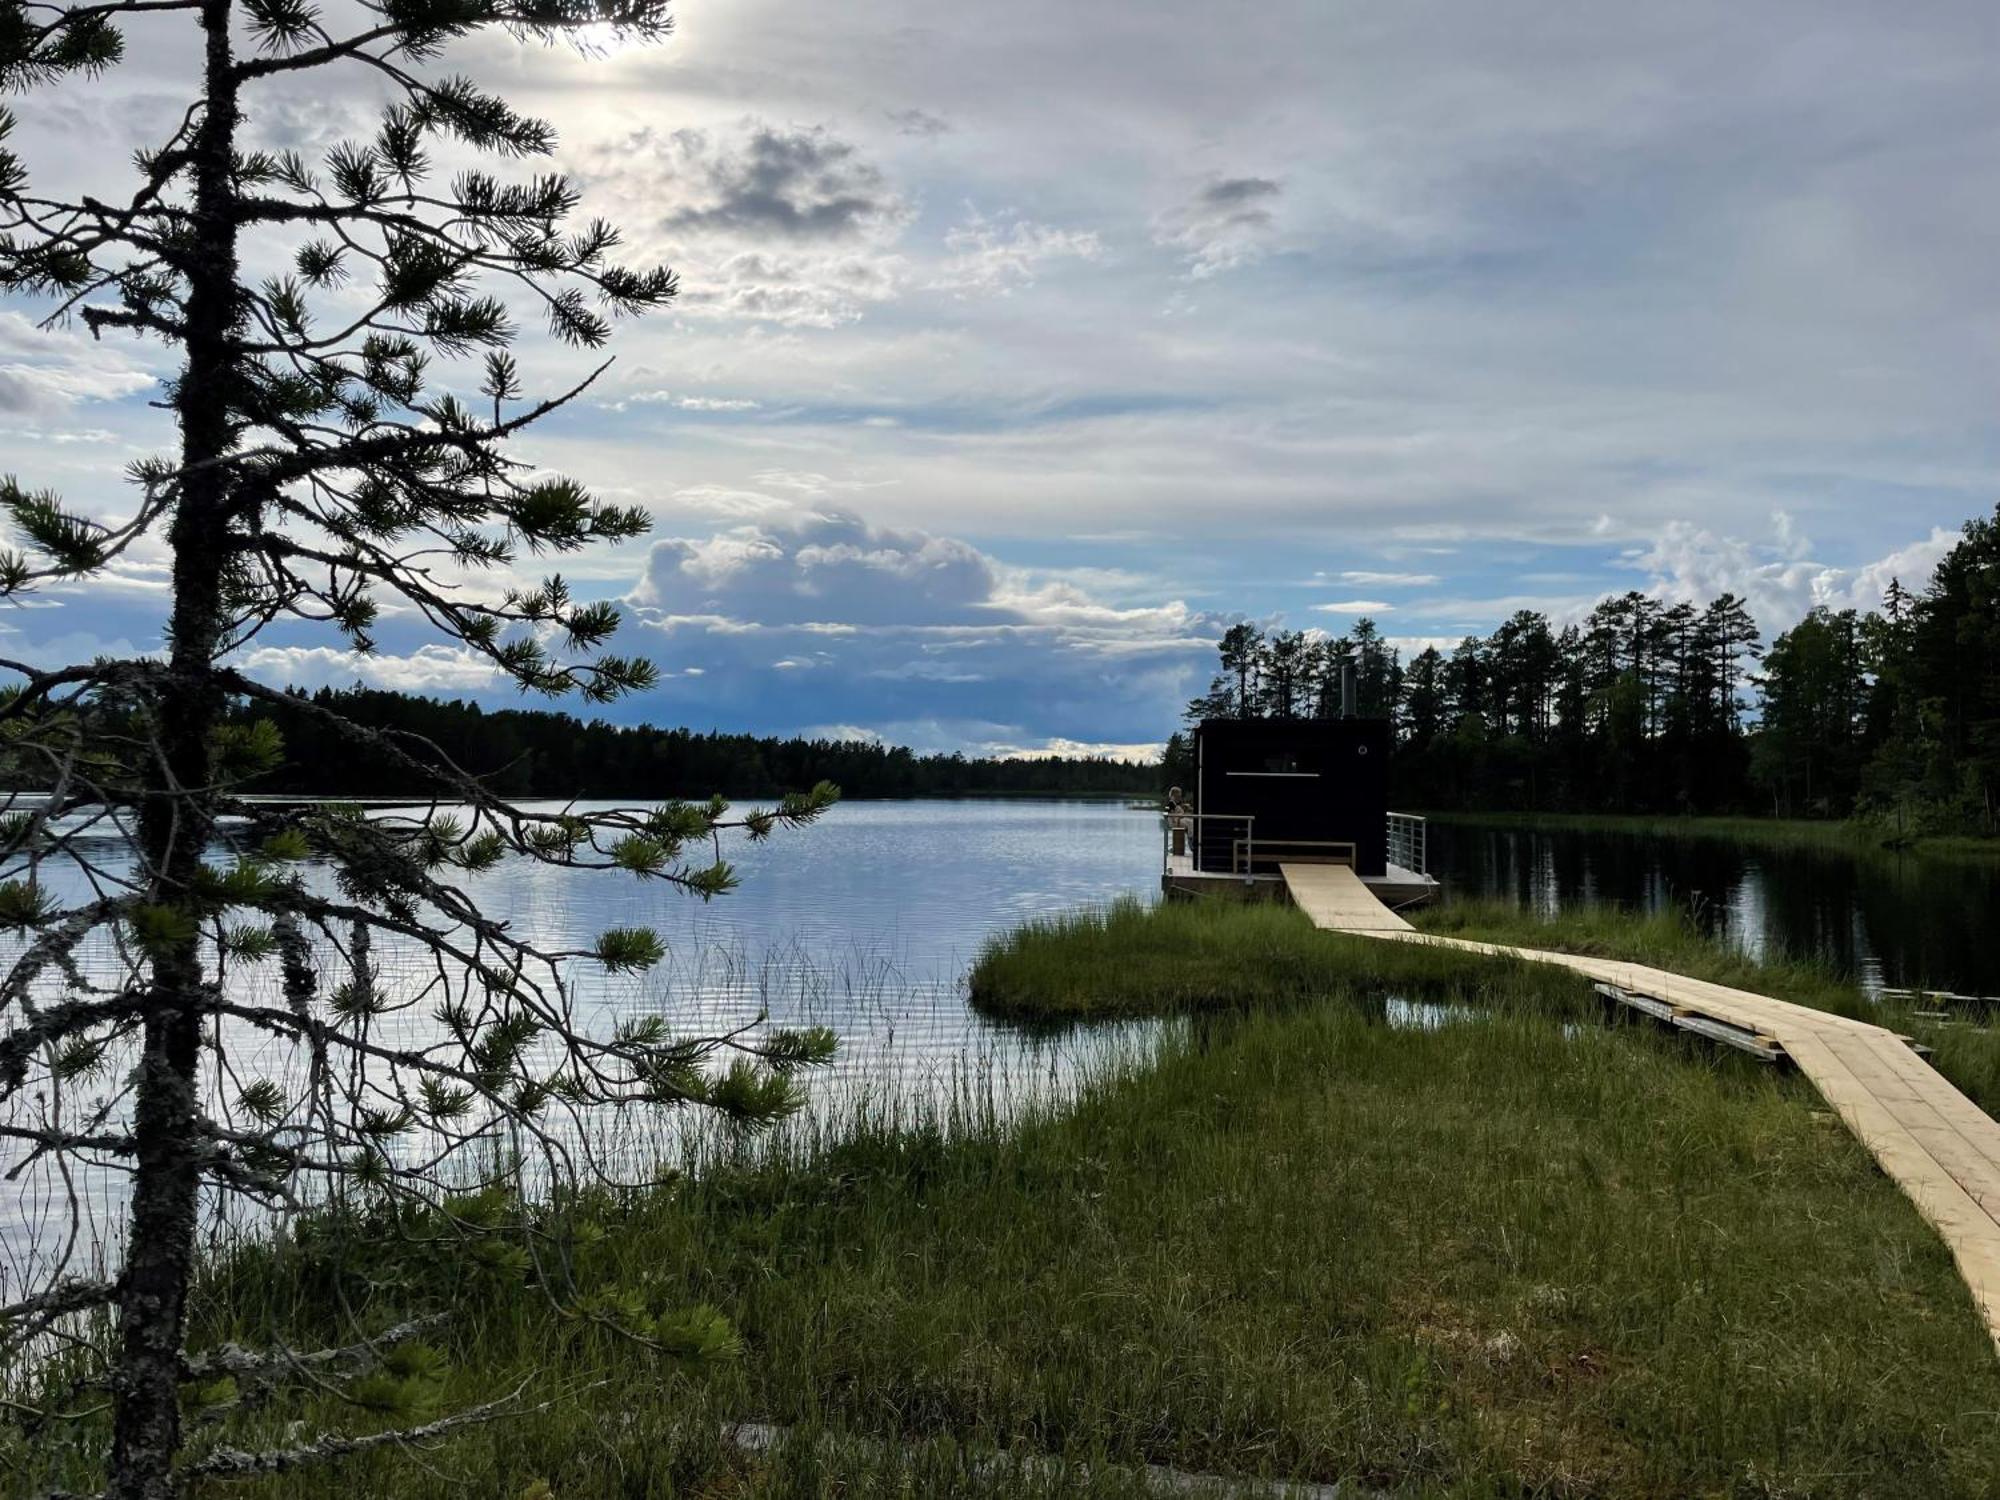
{"points": [[868, 921], [1889, 919]]}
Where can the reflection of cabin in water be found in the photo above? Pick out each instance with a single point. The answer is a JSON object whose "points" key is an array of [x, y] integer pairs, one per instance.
{"points": [[1292, 791]]}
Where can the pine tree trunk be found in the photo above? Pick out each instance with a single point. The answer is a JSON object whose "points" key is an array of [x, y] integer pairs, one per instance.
{"points": [[176, 823]]}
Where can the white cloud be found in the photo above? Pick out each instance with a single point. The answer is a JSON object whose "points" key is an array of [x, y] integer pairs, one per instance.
{"points": [[1779, 579], [434, 668], [821, 616], [990, 257], [818, 566], [683, 403], [717, 403], [1355, 607], [775, 224], [1389, 580], [51, 371]]}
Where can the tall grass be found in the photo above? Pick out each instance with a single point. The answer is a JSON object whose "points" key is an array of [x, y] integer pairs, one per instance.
{"points": [[1129, 959], [1965, 1045], [1667, 939], [1508, 1255], [1533, 1250]]}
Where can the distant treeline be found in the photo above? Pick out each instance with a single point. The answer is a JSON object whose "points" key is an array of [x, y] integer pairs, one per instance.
{"points": [[538, 753], [1891, 714]]}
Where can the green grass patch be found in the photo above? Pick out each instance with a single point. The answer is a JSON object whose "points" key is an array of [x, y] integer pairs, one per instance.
{"points": [[1186, 957], [1504, 1255], [1965, 1045], [1667, 939], [1503, 1243]]}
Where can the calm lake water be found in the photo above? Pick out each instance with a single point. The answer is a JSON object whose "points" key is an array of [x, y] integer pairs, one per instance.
{"points": [[868, 922], [1888, 919]]}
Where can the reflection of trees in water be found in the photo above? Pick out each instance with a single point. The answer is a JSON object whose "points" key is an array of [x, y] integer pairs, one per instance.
{"points": [[1890, 918]]}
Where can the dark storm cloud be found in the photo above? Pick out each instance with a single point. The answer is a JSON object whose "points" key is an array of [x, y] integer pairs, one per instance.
{"points": [[795, 184]]}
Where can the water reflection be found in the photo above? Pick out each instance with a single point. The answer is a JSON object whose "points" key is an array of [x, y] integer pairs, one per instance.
{"points": [[1890, 919], [865, 923]]}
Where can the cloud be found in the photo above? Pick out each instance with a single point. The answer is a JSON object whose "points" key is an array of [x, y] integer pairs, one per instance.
{"points": [[717, 403], [60, 437], [432, 668], [683, 403], [992, 257], [816, 616], [1779, 579], [820, 566], [1389, 580], [1226, 223], [1355, 607], [799, 291], [44, 372], [920, 123], [761, 182], [783, 225]]}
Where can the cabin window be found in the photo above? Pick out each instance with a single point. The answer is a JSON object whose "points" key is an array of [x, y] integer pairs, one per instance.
{"points": [[1279, 763]]}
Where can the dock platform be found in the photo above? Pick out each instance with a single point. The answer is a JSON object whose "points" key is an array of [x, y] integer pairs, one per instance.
{"points": [[1939, 1147], [1397, 888]]}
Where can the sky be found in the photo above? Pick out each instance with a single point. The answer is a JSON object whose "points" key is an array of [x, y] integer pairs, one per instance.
{"points": [[1020, 350]]}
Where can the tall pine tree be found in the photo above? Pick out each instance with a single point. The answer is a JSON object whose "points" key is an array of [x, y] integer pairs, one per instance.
{"points": [[340, 444]]}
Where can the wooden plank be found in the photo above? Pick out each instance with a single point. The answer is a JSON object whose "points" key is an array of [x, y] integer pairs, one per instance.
{"points": [[1335, 898], [1940, 1148], [1762, 1048], [1759, 1045]]}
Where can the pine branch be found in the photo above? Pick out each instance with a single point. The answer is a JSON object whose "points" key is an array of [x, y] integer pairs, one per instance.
{"points": [[239, 1363], [72, 1295], [235, 1463]]}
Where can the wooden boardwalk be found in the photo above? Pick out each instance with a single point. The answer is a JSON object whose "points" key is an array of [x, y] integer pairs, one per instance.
{"points": [[1942, 1150]]}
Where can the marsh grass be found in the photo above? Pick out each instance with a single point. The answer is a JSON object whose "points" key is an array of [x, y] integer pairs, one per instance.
{"points": [[1671, 938], [1130, 959], [1531, 1250], [1507, 1255], [1965, 1044]]}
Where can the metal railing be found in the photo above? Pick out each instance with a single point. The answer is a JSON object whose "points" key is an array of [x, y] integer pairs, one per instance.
{"points": [[1407, 841], [1242, 851]]}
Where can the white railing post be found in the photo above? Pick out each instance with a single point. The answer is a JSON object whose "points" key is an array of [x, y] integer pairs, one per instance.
{"points": [[1409, 842]]}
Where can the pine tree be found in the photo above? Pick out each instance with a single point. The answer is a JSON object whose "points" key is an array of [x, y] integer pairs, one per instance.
{"points": [[326, 462], [1242, 657], [1424, 699]]}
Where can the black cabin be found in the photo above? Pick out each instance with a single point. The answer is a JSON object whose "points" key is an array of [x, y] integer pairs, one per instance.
{"points": [[1269, 790]]}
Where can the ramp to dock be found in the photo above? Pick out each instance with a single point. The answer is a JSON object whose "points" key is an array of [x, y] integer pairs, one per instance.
{"points": [[1941, 1149]]}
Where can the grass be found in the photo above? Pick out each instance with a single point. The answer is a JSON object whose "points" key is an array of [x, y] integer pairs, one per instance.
{"points": [[1668, 939], [1509, 1255], [1964, 1049], [1846, 836], [1527, 1250]]}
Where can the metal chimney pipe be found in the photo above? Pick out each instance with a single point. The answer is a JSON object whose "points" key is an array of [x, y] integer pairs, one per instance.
{"points": [[1347, 687]]}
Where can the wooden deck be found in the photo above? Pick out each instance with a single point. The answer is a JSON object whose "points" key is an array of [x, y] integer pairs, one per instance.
{"points": [[1396, 887], [1941, 1149]]}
